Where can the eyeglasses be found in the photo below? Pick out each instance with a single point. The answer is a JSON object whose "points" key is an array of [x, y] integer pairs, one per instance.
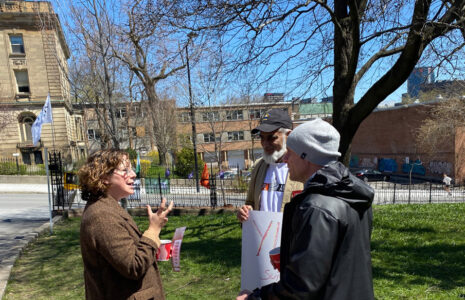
{"points": [[127, 171]]}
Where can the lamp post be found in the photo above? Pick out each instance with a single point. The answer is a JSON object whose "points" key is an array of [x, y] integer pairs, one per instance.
{"points": [[191, 102]]}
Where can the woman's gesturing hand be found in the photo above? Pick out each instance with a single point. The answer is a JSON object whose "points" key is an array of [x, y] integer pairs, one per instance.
{"points": [[158, 219]]}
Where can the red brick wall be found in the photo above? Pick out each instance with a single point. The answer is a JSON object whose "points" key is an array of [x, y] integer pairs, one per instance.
{"points": [[391, 133]]}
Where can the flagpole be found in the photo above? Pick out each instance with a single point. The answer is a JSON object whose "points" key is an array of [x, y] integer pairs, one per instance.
{"points": [[53, 126], [48, 188]]}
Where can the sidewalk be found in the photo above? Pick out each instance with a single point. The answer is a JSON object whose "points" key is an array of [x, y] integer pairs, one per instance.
{"points": [[12, 250], [23, 188]]}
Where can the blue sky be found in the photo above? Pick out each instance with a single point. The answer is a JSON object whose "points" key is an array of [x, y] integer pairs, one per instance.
{"points": [[285, 82]]}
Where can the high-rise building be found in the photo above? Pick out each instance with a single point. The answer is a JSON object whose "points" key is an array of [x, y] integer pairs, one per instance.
{"points": [[33, 64], [419, 77]]}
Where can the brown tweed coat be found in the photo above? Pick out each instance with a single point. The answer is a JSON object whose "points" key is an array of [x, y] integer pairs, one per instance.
{"points": [[119, 262]]}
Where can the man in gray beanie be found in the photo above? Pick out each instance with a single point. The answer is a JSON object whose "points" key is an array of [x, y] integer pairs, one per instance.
{"points": [[325, 240]]}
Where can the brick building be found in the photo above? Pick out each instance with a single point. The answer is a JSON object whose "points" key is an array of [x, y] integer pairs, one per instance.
{"points": [[133, 122], [225, 131], [386, 141]]}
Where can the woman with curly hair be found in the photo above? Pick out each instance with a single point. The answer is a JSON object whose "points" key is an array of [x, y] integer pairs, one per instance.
{"points": [[119, 260]]}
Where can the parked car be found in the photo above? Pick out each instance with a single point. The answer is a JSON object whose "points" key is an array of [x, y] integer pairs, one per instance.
{"points": [[372, 175], [226, 175]]}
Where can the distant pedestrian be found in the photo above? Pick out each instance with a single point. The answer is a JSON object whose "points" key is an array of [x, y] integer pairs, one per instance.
{"points": [[447, 180]]}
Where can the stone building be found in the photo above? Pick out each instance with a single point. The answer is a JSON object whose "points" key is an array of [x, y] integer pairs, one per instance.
{"points": [[33, 63]]}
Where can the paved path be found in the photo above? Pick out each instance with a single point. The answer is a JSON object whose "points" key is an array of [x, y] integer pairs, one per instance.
{"points": [[22, 218], [23, 188]]}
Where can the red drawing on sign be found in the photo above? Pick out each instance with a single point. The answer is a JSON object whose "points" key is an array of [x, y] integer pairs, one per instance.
{"points": [[263, 237], [276, 235]]}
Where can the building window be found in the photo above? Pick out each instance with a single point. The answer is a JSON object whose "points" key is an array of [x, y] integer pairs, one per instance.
{"points": [[140, 131], [17, 45], [235, 136], [93, 134], [210, 116], [138, 112], [184, 117], [22, 81], [78, 123], [234, 115], [210, 138], [256, 113], [25, 123], [121, 113]]}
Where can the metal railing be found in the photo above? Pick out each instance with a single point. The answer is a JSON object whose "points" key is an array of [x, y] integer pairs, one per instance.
{"points": [[14, 166], [183, 193], [427, 192]]}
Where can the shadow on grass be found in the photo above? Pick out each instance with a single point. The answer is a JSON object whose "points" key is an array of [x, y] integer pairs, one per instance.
{"points": [[439, 264], [226, 252]]}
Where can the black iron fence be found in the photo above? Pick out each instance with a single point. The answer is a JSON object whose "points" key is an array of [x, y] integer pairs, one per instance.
{"points": [[427, 192], [183, 192], [15, 166]]}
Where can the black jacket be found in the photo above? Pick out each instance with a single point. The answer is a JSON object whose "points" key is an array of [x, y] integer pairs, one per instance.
{"points": [[325, 243]]}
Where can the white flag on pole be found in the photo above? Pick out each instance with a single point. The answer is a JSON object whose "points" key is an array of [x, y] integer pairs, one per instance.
{"points": [[45, 116]]}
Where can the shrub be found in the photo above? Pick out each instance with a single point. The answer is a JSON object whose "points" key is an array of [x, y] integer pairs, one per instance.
{"points": [[155, 170], [38, 169], [144, 166], [132, 153], [185, 162], [154, 157], [10, 168]]}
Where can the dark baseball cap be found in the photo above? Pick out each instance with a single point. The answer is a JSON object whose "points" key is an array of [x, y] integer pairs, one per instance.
{"points": [[274, 119]]}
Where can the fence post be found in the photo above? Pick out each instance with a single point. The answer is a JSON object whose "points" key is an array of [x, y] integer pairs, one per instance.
{"points": [[394, 197], [409, 188], [159, 187], [430, 190], [213, 196], [17, 165]]}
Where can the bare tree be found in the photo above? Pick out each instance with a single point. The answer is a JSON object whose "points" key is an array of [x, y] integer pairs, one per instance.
{"points": [[442, 130], [349, 45], [152, 53], [6, 116], [93, 29]]}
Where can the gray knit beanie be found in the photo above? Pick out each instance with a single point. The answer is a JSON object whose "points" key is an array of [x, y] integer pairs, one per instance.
{"points": [[316, 141]]}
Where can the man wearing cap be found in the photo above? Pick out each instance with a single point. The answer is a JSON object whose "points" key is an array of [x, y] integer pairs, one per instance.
{"points": [[325, 241], [270, 187]]}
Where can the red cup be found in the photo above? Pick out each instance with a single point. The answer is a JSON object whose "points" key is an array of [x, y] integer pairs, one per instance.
{"points": [[275, 258], [164, 251]]}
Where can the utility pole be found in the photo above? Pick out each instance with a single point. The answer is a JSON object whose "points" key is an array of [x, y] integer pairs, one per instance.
{"points": [[191, 102]]}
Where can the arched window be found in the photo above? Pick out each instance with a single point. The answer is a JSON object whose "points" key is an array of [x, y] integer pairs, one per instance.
{"points": [[25, 124]]}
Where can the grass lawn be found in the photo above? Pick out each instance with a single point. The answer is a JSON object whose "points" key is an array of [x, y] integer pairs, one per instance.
{"points": [[418, 253]]}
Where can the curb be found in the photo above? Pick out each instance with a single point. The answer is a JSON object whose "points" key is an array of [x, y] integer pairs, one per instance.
{"points": [[5, 272]]}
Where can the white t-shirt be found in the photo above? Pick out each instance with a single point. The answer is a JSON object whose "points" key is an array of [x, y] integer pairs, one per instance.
{"points": [[447, 180], [273, 187]]}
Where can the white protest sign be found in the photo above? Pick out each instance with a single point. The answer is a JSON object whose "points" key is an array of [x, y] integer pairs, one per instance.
{"points": [[260, 233], [176, 250]]}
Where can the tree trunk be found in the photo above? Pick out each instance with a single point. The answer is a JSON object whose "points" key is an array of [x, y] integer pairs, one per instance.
{"points": [[346, 52]]}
